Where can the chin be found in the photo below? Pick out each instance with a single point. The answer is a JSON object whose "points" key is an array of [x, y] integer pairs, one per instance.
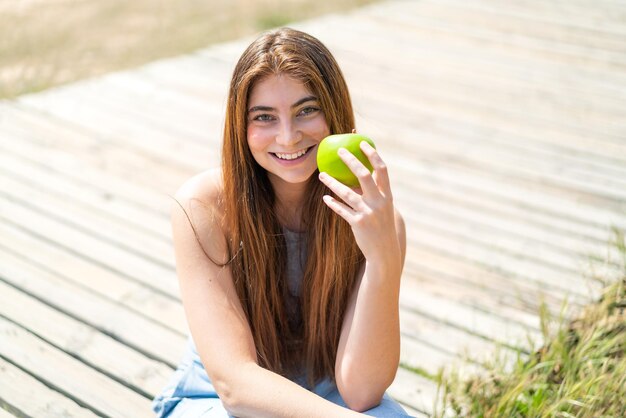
{"points": [[294, 178]]}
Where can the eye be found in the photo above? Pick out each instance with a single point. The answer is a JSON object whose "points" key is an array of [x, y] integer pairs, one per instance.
{"points": [[308, 110], [264, 117]]}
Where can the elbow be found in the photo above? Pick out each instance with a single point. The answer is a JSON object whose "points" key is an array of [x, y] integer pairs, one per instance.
{"points": [[226, 390], [361, 400], [361, 394], [231, 389]]}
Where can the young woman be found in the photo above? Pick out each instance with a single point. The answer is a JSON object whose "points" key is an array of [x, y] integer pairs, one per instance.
{"points": [[290, 280]]}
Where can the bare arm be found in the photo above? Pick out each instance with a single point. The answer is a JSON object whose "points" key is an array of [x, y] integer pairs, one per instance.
{"points": [[217, 320], [369, 346]]}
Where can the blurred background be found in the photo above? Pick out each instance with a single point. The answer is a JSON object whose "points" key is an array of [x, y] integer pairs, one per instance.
{"points": [[45, 43]]}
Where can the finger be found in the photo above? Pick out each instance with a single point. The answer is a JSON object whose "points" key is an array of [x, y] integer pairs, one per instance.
{"points": [[339, 208], [366, 181], [380, 168], [349, 196]]}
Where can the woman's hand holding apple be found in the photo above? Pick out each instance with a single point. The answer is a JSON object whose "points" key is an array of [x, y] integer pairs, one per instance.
{"points": [[368, 209]]}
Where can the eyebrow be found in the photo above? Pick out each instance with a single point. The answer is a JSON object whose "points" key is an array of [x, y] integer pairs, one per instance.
{"points": [[269, 108]]}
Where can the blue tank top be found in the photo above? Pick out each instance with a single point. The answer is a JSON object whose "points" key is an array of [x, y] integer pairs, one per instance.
{"points": [[296, 260]]}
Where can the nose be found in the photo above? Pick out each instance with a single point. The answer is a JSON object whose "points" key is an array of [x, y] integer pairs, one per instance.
{"points": [[288, 134]]}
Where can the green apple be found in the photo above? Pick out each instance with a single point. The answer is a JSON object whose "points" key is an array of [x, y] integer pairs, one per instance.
{"points": [[329, 161]]}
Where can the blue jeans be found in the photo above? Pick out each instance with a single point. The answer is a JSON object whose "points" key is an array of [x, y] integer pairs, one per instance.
{"points": [[190, 394]]}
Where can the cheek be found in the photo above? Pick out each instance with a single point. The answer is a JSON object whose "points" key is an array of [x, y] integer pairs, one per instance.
{"points": [[258, 139], [318, 128]]}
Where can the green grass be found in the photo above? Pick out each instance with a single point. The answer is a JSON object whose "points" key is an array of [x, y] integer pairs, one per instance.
{"points": [[580, 371], [46, 43]]}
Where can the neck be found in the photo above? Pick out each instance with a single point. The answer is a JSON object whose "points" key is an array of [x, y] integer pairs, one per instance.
{"points": [[290, 199]]}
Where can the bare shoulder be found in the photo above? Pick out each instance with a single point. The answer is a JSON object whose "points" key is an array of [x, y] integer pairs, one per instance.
{"points": [[207, 289], [205, 187], [197, 213]]}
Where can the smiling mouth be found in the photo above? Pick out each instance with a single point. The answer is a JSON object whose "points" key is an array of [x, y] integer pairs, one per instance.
{"points": [[292, 156]]}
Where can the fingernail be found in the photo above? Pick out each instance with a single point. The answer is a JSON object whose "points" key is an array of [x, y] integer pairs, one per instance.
{"points": [[342, 151]]}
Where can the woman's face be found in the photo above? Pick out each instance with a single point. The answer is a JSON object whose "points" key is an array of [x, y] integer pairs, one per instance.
{"points": [[285, 124]]}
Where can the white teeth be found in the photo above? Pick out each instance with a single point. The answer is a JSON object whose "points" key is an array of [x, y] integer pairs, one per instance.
{"points": [[291, 156]]}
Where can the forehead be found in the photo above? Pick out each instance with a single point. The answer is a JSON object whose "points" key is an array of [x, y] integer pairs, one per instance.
{"points": [[275, 90]]}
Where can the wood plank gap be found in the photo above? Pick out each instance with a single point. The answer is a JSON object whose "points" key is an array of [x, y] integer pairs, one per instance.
{"points": [[97, 181], [84, 343], [87, 248], [91, 220], [153, 223], [39, 400], [127, 403], [103, 285], [144, 335], [87, 229]]}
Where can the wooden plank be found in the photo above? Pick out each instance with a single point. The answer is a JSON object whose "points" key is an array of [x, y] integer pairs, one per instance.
{"points": [[149, 220], [162, 145], [523, 193], [577, 250], [29, 250], [462, 282], [485, 295], [109, 187], [509, 264], [23, 395], [549, 173], [34, 130], [451, 27], [540, 51], [117, 320], [502, 20], [518, 271], [433, 106], [487, 240], [431, 345], [413, 50], [195, 123], [576, 232], [603, 17], [473, 321], [414, 390], [461, 108], [130, 266], [205, 76], [502, 240], [78, 382], [97, 350], [92, 221], [505, 114]]}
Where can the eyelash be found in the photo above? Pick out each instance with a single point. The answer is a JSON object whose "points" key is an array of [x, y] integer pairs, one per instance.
{"points": [[262, 117], [311, 109]]}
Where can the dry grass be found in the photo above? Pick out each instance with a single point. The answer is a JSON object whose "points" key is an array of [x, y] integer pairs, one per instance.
{"points": [[44, 43], [579, 371]]}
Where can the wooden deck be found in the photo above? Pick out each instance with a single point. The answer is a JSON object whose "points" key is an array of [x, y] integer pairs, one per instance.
{"points": [[504, 127]]}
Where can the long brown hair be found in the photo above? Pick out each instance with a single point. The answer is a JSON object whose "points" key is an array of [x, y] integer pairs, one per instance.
{"points": [[255, 237]]}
